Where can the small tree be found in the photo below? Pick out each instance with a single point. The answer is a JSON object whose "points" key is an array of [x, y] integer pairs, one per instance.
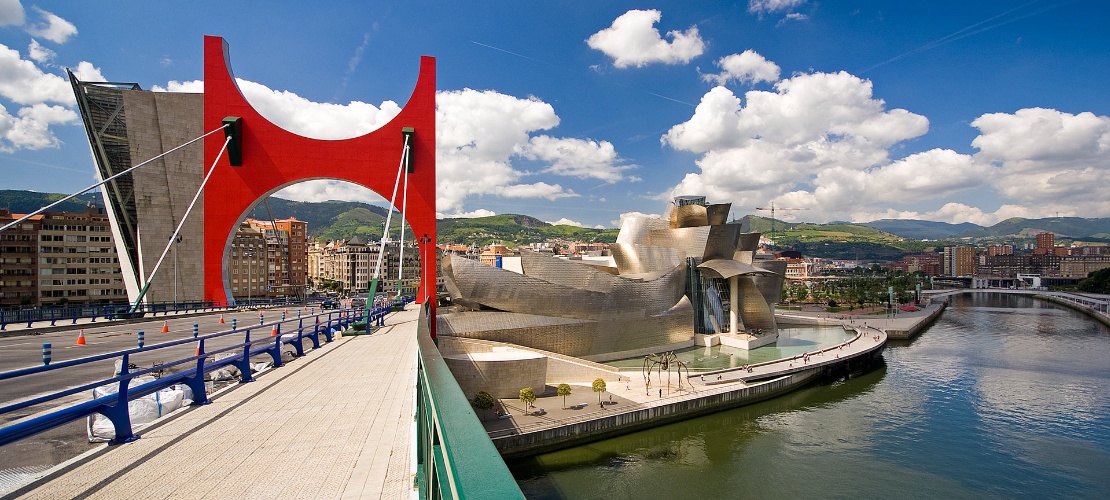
{"points": [[527, 396], [483, 401], [599, 387], [564, 391]]}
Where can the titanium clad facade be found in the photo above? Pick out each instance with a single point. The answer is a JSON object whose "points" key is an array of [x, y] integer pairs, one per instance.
{"points": [[670, 281]]}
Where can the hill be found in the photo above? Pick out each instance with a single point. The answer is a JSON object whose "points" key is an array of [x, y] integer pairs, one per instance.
{"points": [[329, 220], [514, 230], [1070, 227], [23, 202], [921, 229]]}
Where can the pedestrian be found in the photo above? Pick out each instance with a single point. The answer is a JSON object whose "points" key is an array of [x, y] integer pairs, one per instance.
{"points": [[610, 399], [660, 392]]}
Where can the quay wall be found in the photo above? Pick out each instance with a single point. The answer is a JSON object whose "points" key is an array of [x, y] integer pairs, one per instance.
{"points": [[917, 326], [1089, 311]]}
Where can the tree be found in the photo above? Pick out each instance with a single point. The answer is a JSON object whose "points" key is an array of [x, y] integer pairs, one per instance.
{"points": [[599, 387], [564, 391], [527, 396], [483, 401]]}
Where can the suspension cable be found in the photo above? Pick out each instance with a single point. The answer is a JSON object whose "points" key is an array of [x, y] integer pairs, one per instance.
{"points": [[105, 181], [401, 257], [373, 288], [180, 224]]}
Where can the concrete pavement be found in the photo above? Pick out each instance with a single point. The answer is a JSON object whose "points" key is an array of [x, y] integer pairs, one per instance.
{"points": [[333, 424]]}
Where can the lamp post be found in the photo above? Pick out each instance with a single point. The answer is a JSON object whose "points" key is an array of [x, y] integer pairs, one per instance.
{"points": [[176, 241]]}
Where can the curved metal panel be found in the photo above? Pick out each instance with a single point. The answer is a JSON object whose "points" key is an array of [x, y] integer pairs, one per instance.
{"points": [[635, 230], [691, 216], [725, 268], [721, 242], [717, 213], [641, 259]]}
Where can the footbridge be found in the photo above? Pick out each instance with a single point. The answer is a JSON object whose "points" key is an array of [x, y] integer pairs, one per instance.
{"points": [[366, 416]]}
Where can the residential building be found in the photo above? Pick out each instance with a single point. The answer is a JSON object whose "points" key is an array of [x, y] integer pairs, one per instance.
{"points": [[958, 261]]}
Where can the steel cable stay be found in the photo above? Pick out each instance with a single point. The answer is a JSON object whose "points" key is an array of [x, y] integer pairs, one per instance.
{"points": [[105, 181], [385, 231], [180, 224]]}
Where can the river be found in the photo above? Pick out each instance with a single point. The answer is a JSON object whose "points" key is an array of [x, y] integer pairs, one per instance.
{"points": [[1003, 397]]}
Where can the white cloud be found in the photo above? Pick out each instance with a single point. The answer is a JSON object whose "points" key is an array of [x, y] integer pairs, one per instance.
{"points": [[819, 140], [86, 72], [30, 128], [793, 16], [325, 190], [628, 215], [24, 83], [40, 54], [566, 222], [768, 6], [747, 67], [583, 159], [11, 13], [51, 27], [478, 133], [954, 213], [191, 87], [481, 212], [1045, 156], [632, 40]]}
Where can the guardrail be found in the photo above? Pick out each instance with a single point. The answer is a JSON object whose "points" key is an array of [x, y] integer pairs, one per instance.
{"points": [[115, 406], [455, 457], [114, 311]]}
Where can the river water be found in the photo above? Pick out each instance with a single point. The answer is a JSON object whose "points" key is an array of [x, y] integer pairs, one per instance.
{"points": [[1003, 397]]}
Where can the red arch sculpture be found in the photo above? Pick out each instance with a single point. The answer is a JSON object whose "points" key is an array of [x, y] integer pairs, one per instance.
{"points": [[273, 158]]}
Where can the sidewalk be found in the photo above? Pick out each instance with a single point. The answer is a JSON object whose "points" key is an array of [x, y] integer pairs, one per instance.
{"points": [[333, 424]]}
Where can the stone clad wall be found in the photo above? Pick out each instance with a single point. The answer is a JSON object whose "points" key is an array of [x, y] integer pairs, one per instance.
{"points": [[503, 378]]}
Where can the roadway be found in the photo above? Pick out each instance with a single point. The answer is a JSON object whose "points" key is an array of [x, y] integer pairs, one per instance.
{"points": [[335, 423], [21, 347]]}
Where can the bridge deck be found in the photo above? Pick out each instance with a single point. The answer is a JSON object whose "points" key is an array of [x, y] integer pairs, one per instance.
{"points": [[334, 424]]}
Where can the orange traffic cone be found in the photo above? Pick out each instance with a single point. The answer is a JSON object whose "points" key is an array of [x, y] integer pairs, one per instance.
{"points": [[198, 350], [81, 338], [273, 332], [286, 310], [221, 319], [165, 326]]}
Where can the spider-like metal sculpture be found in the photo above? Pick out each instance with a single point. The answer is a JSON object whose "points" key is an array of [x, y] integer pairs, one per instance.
{"points": [[661, 363]]}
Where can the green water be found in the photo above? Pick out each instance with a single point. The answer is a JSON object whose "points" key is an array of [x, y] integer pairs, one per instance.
{"points": [[793, 341], [1004, 397]]}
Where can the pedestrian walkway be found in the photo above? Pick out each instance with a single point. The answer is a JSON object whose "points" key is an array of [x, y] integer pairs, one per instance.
{"points": [[333, 424]]}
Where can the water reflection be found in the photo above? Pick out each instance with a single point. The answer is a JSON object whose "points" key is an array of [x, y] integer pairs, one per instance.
{"points": [[1003, 397]]}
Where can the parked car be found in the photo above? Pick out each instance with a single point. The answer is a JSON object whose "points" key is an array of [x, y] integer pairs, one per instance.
{"points": [[329, 304]]}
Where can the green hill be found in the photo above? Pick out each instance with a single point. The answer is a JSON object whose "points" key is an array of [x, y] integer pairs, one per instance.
{"points": [[514, 230], [1070, 227], [23, 202]]}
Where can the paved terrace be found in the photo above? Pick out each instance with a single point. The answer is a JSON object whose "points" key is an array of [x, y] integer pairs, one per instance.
{"points": [[631, 394], [333, 424]]}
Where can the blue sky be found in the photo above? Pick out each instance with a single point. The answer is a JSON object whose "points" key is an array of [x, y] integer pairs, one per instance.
{"points": [[855, 110]]}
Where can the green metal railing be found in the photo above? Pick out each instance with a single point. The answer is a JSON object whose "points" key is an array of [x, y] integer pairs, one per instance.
{"points": [[455, 456]]}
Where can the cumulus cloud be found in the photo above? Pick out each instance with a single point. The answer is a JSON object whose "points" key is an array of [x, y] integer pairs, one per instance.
{"points": [[24, 83], [819, 140], [86, 72], [747, 67], [51, 27], [11, 13], [566, 222], [1044, 156], [328, 190], [584, 159], [30, 127], [628, 215], [40, 54], [481, 212], [632, 40], [769, 6]]}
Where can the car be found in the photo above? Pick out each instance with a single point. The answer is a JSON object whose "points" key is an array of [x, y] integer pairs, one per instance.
{"points": [[329, 304]]}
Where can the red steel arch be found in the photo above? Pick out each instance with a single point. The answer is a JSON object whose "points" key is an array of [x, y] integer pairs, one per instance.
{"points": [[273, 157]]}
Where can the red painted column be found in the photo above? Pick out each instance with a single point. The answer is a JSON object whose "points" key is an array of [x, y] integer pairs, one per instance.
{"points": [[274, 158]]}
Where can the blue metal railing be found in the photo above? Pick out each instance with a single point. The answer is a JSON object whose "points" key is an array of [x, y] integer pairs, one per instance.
{"points": [[115, 406], [116, 311], [455, 457]]}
